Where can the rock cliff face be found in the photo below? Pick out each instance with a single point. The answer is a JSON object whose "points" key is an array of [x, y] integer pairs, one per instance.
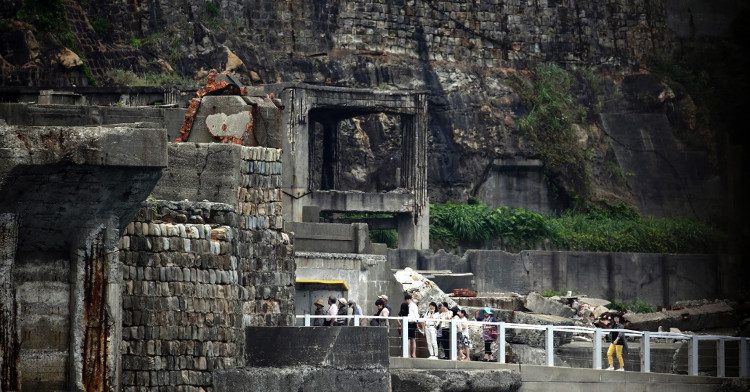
{"points": [[466, 54]]}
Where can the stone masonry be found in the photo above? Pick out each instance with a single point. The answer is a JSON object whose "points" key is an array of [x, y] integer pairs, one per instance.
{"points": [[196, 273]]}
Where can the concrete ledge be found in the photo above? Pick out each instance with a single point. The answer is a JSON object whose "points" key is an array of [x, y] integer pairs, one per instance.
{"points": [[543, 378], [363, 201], [302, 379], [413, 380], [131, 146]]}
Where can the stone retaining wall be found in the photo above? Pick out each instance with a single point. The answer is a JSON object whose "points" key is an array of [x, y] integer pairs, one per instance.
{"points": [[196, 273]]}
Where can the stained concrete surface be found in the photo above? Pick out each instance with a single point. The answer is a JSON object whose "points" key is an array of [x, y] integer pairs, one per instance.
{"points": [[543, 378]]}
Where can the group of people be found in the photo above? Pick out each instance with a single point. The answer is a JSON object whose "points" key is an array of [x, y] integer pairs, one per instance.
{"points": [[336, 308], [436, 330]]}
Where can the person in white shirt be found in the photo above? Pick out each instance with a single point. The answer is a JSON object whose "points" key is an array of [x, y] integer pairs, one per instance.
{"points": [[333, 310], [412, 328], [430, 329], [464, 344]]}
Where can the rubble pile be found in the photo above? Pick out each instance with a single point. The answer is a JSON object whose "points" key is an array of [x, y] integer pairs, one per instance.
{"points": [[422, 289]]}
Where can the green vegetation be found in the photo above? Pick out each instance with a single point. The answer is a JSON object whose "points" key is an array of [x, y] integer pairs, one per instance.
{"points": [[476, 223], [388, 237], [101, 26], [212, 9], [130, 78], [135, 43], [636, 306], [553, 110], [552, 293], [616, 228], [45, 15]]}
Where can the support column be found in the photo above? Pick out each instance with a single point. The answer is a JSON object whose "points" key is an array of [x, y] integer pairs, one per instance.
{"points": [[95, 317], [414, 171], [10, 378], [295, 152]]}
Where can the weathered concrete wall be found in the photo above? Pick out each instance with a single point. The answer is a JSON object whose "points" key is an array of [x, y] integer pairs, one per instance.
{"points": [[330, 237], [68, 189], [543, 378], [367, 275], [517, 183], [197, 272], [660, 279], [311, 359], [8, 336], [420, 380], [83, 115]]}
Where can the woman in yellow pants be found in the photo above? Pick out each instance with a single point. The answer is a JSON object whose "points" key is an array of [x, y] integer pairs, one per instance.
{"points": [[618, 342]]}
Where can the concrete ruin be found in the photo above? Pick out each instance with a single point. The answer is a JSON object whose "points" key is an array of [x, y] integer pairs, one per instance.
{"points": [[129, 263], [66, 195], [308, 106]]}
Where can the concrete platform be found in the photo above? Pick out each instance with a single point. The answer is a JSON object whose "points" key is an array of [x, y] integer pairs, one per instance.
{"points": [[543, 378]]}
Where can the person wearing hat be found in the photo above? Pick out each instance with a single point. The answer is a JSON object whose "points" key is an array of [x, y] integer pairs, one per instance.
{"points": [[489, 333], [385, 302], [342, 311], [333, 310], [317, 322]]}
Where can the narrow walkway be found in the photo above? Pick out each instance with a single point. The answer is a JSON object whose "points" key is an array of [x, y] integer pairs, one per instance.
{"points": [[543, 378]]}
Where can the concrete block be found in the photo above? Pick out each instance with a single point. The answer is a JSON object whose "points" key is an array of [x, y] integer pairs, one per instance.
{"points": [[536, 303], [345, 348]]}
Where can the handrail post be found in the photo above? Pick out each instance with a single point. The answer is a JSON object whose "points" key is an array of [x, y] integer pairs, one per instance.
{"points": [[454, 343], [405, 337], [501, 343], [693, 356], [646, 352], [307, 320], [743, 357], [597, 348], [356, 320], [721, 363], [550, 345]]}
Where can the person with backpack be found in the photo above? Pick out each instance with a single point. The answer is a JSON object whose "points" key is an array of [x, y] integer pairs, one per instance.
{"points": [[489, 333], [342, 311]]}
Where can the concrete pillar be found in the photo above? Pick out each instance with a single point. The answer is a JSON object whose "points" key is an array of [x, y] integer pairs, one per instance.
{"points": [[95, 314], [414, 174], [295, 152], [10, 379]]}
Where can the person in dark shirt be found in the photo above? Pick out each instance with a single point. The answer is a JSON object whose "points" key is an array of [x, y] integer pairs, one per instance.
{"points": [[617, 342]]}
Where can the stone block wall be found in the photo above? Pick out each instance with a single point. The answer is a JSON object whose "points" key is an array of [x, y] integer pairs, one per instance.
{"points": [[196, 273], [490, 33]]}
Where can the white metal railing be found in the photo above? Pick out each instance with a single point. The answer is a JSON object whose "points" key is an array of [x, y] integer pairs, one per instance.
{"points": [[646, 338]]}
